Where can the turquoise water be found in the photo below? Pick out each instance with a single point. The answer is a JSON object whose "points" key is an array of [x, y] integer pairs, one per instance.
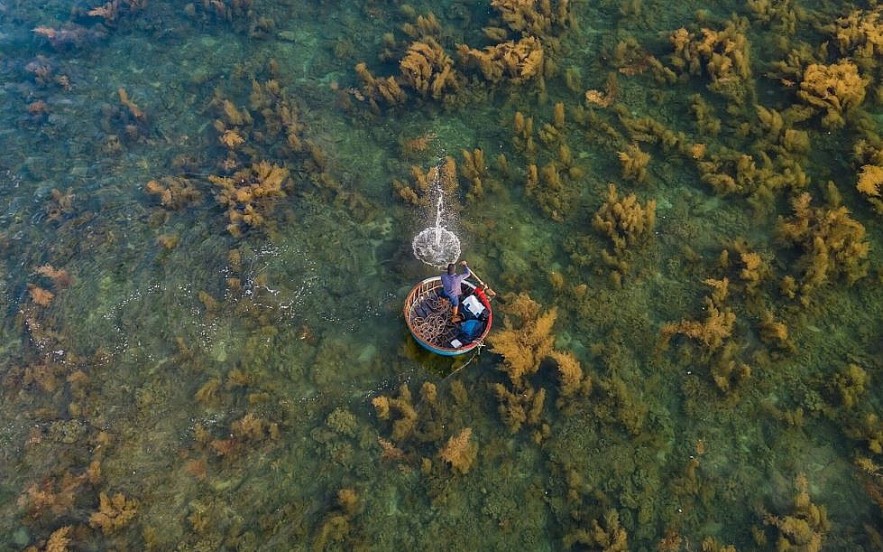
{"points": [[205, 248]]}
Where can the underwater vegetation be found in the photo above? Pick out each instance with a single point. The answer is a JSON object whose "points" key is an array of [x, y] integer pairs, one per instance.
{"points": [[207, 212]]}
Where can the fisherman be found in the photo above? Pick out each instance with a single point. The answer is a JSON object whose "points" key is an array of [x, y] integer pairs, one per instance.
{"points": [[452, 288]]}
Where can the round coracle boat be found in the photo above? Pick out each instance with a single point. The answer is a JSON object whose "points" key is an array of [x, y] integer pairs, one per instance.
{"points": [[428, 315]]}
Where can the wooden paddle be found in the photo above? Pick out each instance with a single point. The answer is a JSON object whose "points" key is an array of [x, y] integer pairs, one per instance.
{"points": [[487, 289]]}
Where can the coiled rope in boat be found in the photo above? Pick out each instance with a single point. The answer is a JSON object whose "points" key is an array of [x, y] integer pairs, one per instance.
{"points": [[436, 327]]}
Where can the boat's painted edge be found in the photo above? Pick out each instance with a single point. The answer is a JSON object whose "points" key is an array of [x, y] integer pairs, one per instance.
{"points": [[443, 351]]}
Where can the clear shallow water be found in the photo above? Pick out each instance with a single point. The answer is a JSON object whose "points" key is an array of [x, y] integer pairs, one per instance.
{"points": [[216, 390]]}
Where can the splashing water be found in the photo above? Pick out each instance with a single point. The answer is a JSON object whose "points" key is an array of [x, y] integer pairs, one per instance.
{"points": [[436, 245]]}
